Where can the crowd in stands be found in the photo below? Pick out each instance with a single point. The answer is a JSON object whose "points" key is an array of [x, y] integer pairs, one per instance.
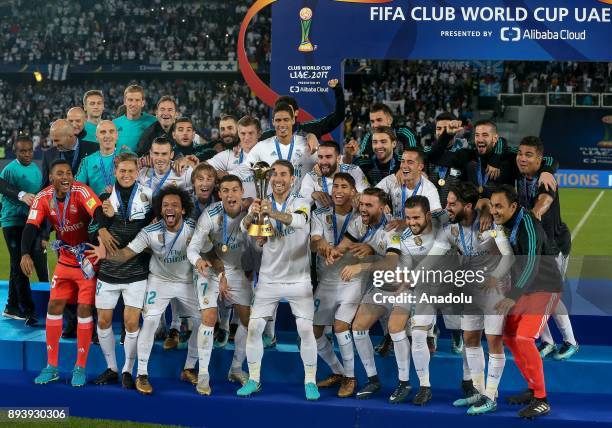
{"points": [[523, 76], [138, 31], [416, 92], [32, 107]]}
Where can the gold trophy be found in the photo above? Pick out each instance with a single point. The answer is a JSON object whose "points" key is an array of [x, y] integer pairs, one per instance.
{"points": [[606, 143], [261, 225], [306, 21]]}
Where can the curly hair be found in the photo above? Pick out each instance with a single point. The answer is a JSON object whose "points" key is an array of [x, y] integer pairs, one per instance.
{"points": [[186, 201]]}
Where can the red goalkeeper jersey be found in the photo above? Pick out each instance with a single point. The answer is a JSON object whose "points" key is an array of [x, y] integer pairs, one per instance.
{"points": [[69, 217]]}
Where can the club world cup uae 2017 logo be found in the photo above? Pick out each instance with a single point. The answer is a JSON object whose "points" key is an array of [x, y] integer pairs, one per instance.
{"points": [[306, 22], [606, 143]]}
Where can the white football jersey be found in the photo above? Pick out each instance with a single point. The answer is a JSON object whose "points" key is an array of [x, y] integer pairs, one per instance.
{"points": [[313, 183], [229, 161], [142, 203], [412, 248], [374, 236], [149, 178], [322, 224], [209, 234], [398, 194], [286, 255], [169, 259], [480, 250], [265, 151]]}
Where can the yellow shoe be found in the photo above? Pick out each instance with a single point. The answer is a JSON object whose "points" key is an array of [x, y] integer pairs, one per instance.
{"points": [[347, 387], [143, 386], [190, 375], [172, 340], [332, 380]]}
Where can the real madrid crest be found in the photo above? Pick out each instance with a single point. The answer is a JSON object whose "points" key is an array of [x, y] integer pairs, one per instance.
{"points": [[454, 231], [143, 197], [418, 240], [363, 229], [160, 238], [328, 219]]}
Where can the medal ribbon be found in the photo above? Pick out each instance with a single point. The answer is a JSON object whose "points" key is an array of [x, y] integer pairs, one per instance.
{"points": [[338, 238], [174, 241], [161, 181], [372, 231], [278, 149], [402, 214], [125, 215], [515, 228], [482, 177]]}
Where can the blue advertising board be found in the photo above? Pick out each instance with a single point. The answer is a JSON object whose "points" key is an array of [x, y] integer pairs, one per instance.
{"points": [[311, 38]]}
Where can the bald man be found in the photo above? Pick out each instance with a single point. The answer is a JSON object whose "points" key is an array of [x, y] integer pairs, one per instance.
{"points": [[77, 117], [65, 146], [98, 169]]}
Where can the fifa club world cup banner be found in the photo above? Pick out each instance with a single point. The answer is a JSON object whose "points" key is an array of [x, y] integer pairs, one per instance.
{"points": [[312, 38]]}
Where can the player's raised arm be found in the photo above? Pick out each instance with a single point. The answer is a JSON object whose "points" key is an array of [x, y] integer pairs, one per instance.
{"points": [[200, 243]]}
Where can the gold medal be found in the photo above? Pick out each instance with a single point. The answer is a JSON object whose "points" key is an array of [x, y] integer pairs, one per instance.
{"points": [[480, 189], [441, 182], [418, 240], [224, 248]]}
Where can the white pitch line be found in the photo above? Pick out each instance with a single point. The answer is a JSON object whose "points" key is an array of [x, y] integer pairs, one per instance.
{"points": [[586, 215]]}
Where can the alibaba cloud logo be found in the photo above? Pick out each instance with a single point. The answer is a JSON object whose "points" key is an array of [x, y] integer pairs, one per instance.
{"points": [[511, 34]]}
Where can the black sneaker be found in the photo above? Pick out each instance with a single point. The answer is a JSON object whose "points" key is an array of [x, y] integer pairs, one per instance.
{"points": [[401, 392], [31, 322], [369, 389], [384, 347], [70, 331], [522, 398], [13, 313], [536, 408], [109, 376], [31, 319], [467, 386], [127, 381], [423, 396]]}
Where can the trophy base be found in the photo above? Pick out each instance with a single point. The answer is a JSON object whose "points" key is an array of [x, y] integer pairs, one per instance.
{"points": [[260, 230], [306, 47]]}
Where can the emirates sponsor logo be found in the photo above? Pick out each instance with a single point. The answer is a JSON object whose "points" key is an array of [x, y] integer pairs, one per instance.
{"points": [[71, 227]]}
